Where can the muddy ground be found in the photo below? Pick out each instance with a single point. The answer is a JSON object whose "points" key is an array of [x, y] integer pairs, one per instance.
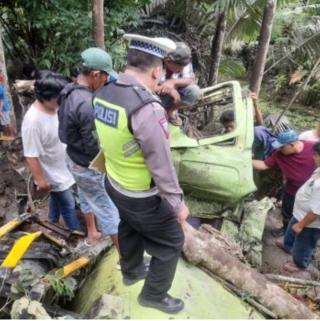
{"points": [[274, 258], [12, 187]]}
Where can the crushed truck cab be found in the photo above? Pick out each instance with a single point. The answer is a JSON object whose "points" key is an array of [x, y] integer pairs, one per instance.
{"points": [[211, 164]]}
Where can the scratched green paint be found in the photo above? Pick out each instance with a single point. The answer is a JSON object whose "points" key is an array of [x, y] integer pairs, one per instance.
{"points": [[213, 168], [204, 297]]}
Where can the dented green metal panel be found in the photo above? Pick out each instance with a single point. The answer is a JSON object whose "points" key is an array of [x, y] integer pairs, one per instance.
{"points": [[213, 168], [204, 297]]}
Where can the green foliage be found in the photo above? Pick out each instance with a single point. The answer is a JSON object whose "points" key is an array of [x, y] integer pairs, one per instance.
{"points": [[62, 286], [245, 20], [280, 82], [51, 34], [300, 117], [296, 35], [122, 16], [233, 69], [311, 95], [25, 279], [295, 45]]}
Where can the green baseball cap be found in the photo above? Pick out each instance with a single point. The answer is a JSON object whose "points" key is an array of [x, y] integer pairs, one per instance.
{"points": [[98, 59]]}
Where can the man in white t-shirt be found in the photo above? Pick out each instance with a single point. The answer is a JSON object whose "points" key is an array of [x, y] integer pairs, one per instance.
{"points": [[312, 135], [303, 230], [177, 88], [44, 152]]}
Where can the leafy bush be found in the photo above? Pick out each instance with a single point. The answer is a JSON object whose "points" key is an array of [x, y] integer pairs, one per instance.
{"points": [[280, 82], [51, 34], [233, 69], [62, 286], [311, 95]]}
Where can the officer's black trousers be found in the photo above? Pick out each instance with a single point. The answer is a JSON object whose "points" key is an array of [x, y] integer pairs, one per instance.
{"points": [[148, 224]]}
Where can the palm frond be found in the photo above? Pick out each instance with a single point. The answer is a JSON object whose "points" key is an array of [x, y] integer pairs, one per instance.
{"points": [[246, 25], [304, 47], [232, 68], [153, 7]]}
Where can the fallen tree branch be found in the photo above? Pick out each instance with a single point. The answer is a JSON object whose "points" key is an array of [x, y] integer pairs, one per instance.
{"points": [[238, 292], [203, 249], [288, 279]]}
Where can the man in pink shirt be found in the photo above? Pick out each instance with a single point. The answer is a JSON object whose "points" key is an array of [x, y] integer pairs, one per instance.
{"points": [[294, 158]]}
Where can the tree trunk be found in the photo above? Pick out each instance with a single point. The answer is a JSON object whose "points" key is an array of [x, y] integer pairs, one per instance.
{"points": [[264, 40], [5, 80], [98, 22], [207, 247], [216, 48]]}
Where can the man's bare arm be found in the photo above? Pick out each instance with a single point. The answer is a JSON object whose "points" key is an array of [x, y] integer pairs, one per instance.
{"points": [[177, 83], [259, 165], [257, 111], [182, 82], [308, 219], [37, 174]]}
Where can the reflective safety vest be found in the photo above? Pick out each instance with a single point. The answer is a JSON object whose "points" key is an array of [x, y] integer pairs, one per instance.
{"points": [[114, 104]]}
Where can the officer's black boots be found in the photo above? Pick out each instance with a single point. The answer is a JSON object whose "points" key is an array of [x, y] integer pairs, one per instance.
{"points": [[132, 280], [168, 304]]}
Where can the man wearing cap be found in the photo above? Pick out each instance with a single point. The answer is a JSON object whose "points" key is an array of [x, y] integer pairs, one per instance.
{"points": [[177, 88], [77, 131], [295, 160], [141, 179]]}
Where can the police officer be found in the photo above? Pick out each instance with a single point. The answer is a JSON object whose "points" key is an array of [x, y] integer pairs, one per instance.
{"points": [[141, 179]]}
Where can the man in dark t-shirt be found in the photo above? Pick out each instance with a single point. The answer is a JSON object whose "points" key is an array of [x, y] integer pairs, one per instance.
{"points": [[295, 160], [77, 131]]}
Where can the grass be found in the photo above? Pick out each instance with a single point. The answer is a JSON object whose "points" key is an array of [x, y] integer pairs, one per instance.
{"points": [[301, 117]]}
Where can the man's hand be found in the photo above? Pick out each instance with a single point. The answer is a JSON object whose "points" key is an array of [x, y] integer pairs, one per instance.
{"points": [[170, 91], [259, 165], [258, 114], [183, 214], [167, 87], [297, 228], [43, 186], [176, 97], [253, 96]]}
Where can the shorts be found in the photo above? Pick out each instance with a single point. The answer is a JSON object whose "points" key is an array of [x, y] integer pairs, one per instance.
{"points": [[94, 198], [5, 118]]}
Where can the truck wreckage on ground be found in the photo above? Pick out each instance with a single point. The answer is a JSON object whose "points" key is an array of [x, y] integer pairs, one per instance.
{"points": [[47, 271]]}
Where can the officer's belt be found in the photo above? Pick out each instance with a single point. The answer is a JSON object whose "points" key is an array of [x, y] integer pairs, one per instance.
{"points": [[134, 194]]}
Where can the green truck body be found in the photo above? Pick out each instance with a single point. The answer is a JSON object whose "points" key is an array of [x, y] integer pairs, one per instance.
{"points": [[218, 167]]}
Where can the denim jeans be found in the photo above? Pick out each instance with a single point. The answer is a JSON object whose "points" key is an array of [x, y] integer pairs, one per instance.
{"points": [[62, 203], [94, 198], [287, 207], [5, 118], [301, 246]]}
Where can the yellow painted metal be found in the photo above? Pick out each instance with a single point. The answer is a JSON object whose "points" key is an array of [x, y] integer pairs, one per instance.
{"points": [[8, 227], [72, 267], [20, 247]]}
